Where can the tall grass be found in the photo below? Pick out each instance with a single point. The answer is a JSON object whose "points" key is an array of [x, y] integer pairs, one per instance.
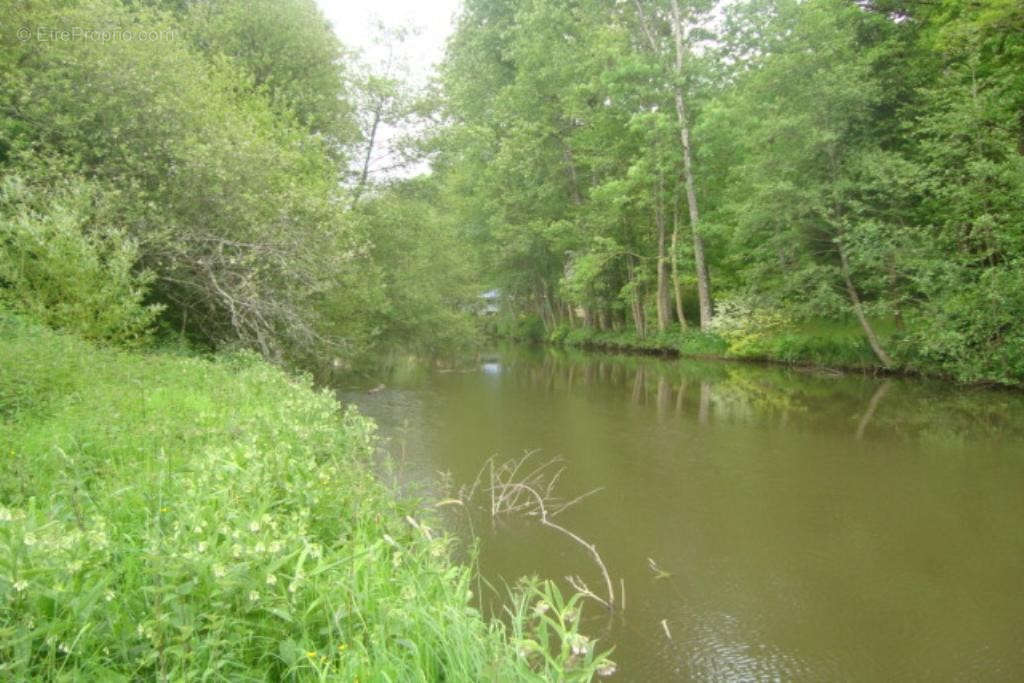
{"points": [[820, 343], [170, 517]]}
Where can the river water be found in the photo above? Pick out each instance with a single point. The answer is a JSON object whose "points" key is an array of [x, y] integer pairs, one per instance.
{"points": [[766, 523]]}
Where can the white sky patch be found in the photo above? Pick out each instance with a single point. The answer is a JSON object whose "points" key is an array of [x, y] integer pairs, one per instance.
{"points": [[429, 24], [431, 20]]}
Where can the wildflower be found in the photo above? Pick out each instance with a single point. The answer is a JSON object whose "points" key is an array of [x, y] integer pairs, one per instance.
{"points": [[606, 669], [29, 539], [236, 551], [21, 585], [271, 580], [254, 596], [108, 596], [311, 654], [579, 644], [63, 647], [293, 586], [202, 546], [259, 548], [219, 571], [541, 607], [342, 647], [5, 515], [254, 526], [198, 529]]}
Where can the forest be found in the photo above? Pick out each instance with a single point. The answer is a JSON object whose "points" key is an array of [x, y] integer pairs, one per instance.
{"points": [[775, 173], [810, 180]]}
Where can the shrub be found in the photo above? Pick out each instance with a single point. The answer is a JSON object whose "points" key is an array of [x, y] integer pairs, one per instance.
{"points": [[57, 266], [746, 326]]}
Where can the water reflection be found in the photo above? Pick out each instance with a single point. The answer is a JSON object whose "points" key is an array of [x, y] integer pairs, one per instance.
{"points": [[809, 526]]}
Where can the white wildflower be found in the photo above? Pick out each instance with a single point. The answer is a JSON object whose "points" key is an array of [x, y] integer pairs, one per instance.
{"points": [[271, 580], [108, 596], [202, 546], [254, 596], [579, 644], [21, 585], [29, 539], [254, 526], [606, 669], [219, 571]]}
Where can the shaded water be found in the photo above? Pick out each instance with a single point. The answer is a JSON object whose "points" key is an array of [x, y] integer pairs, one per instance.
{"points": [[815, 527]]}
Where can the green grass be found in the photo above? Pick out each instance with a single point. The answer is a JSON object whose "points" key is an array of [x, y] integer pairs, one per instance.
{"points": [[818, 343], [172, 517]]}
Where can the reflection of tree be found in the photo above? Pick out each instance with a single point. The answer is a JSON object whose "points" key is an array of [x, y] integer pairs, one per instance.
{"points": [[664, 395], [781, 397], [639, 387], [680, 395], [881, 391], [705, 403]]}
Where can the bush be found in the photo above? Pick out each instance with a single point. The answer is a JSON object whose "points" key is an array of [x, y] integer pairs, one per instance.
{"points": [[746, 326], [61, 268]]}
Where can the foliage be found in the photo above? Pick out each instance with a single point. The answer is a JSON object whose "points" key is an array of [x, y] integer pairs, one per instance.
{"points": [[746, 326], [219, 517], [220, 148], [61, 264], [859, 160]]}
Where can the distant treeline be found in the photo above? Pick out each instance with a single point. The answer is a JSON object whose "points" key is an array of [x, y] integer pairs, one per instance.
{"points": [[651, 164]]}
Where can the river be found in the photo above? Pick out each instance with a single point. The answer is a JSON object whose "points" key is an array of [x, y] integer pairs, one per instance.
{"points": [[766, 523]]}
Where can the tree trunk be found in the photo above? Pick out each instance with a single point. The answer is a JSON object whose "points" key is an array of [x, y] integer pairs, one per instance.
{"points": [[570, 169], [674, 260], [662, 297], [858, 310], [637, 302], [703, 283], [378, 113]]}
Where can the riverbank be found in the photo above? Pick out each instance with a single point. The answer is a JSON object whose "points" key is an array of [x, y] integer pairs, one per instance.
{"points": [[169, 516], [821, 348]]}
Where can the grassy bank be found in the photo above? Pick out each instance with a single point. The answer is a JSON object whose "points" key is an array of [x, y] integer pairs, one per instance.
{"points": [[172, 517], [821, 344]]}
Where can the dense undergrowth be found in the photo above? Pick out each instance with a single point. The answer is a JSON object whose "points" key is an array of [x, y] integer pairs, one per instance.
{"points": [[169, 516], [796, 346]]}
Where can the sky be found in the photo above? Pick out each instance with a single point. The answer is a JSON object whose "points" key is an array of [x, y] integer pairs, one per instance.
{"points": [[353, 19], [430, 22]]}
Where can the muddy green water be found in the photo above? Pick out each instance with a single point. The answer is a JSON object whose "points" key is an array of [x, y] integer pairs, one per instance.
{"points": [[815, 527]]}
